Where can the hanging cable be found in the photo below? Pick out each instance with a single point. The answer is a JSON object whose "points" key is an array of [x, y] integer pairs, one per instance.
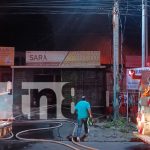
{"points": [[122, 26], [70, 7]]}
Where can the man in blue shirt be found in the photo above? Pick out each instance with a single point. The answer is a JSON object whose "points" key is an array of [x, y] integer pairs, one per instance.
{"points": [[83, 110]]}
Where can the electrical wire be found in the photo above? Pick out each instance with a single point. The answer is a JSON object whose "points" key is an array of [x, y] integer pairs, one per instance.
{"points": [[122, 38], [71, 7]]}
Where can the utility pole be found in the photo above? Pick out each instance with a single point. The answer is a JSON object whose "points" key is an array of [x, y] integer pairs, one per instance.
{"points": [[144, 33], [116, 58]]}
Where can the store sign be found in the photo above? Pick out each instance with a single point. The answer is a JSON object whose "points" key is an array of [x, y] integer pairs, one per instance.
{"points": [[82, 58], [133, 77], [63, 58], [53, 58], [6, 56]]}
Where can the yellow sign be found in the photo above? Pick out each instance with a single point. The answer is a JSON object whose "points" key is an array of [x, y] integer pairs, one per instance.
{"points": [[6, 56], [82, 58]]}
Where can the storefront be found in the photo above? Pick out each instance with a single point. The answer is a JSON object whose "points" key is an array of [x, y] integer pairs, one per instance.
{"points": [[88, 80]]}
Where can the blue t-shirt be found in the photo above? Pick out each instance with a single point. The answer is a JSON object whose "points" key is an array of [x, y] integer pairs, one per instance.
{"points": [[82, 109]]}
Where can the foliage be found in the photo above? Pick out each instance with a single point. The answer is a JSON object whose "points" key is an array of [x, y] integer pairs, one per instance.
{"points": [[121, 124]]}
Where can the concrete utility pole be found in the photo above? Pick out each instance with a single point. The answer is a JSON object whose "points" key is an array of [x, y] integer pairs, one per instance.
{"points": [[116, 58], [144, 33]]}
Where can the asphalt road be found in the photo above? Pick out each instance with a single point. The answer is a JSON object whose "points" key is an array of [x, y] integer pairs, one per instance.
{"points": [[22, 145], [42, 138], [120, 145]]}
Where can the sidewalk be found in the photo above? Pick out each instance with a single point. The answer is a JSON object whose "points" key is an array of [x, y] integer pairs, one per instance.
{"points": [[105, 132]]}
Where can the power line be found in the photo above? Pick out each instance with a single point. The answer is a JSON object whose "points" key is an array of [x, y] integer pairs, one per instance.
{"points": [[70, 6]]}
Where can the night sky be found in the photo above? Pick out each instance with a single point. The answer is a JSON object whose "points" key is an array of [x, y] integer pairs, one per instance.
{"points": [[27, 29]]}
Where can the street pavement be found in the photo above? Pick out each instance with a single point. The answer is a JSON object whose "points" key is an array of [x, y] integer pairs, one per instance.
{"points": [[100, 137], [118, 145], [22, 145]]}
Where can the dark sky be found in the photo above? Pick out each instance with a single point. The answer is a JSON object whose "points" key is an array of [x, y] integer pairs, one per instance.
{"points": [[27, 28], [26, 32], [62, 31]]}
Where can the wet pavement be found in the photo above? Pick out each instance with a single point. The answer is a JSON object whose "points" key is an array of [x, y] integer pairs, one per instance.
{"points": [[24, 145], [43, 129], [38, 132]]}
